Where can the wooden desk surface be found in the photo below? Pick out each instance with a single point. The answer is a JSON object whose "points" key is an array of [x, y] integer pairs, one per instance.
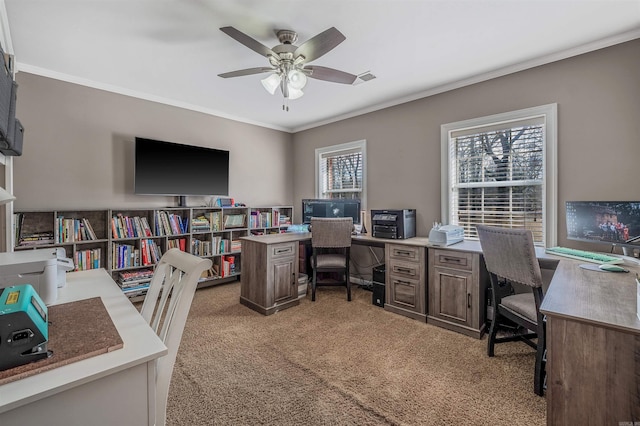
{"points": [[606, 299], [141, 344]]}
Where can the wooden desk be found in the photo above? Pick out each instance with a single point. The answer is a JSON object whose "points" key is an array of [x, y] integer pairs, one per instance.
{"points": [[116, 388], [593, 334], [593, 347]]}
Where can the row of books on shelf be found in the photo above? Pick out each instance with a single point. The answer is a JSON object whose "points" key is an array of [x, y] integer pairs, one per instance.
{"points": [[87, 259], [130, 256], [207, 222], [179, 243], [267, 219], [130, 227], [217, 245], [170, 224], [69, 230], [227, 267]]}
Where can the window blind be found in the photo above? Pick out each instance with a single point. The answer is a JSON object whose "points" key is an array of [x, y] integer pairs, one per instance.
{"points": [[341, 173], [497, 176]]}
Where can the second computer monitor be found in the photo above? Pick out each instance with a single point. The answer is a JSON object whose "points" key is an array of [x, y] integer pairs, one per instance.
{"points": [[319, 207]]}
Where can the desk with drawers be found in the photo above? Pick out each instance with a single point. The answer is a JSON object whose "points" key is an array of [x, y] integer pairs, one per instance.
{"points": [[593, 333], [452, 280]]}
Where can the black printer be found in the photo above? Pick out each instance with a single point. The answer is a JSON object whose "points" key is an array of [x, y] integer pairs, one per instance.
{"points": [[394, 224]]}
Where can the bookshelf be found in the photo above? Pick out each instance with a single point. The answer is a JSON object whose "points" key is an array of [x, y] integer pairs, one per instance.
{"points": [[269, 220], [129, 242]]}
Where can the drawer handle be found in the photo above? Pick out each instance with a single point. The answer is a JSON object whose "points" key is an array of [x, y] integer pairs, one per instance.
{"points": [[468, 300], [451, 259], [283, 250], [404, 270], [401, 282], [404, 253]]}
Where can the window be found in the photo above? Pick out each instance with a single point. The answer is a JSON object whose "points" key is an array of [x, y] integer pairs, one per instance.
{"points": [[500, 170], [340, 171]]}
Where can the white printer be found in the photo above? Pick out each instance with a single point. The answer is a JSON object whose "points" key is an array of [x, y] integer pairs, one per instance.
{"points": [[44, 269], [445, 235]]}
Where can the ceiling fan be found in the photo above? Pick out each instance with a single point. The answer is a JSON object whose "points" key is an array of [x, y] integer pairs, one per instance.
{"points": [[289, 69]]}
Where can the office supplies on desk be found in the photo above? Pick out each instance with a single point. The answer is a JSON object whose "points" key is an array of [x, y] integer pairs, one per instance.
{"points": [[44, 269], [445, 235], [23, 326]]}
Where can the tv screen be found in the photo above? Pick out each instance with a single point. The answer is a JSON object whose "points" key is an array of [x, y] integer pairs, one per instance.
{"points": [[166, 168], [604, 221], [330, 208]]}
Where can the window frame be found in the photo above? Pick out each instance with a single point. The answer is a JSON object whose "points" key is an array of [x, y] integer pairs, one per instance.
{"points": [[336, 150], [549, 114]]}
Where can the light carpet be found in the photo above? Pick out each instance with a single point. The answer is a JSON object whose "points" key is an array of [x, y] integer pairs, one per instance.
{"points": [[333, 362]]}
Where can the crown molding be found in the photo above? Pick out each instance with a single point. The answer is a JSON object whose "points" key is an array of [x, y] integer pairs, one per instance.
{"points": [[547, 59]]}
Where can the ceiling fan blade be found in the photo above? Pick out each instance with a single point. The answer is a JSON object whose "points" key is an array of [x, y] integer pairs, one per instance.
{"points": [[248, 71], [252, 44], [317, 46], [330, 74]]}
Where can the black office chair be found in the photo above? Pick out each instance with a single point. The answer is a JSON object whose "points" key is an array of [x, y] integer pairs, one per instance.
{"points": [[331, 244], [511, 258]]}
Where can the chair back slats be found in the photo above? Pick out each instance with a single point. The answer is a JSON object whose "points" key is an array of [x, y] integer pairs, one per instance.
{"points": [[510, 254], [331, 232], [166, 307]]}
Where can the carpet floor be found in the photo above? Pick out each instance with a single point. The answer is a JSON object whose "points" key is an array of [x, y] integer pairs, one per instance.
{"points": [[333, 362]]}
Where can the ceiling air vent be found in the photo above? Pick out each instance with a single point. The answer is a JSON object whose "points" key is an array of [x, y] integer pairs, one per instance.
{"points": [[364, 77]]}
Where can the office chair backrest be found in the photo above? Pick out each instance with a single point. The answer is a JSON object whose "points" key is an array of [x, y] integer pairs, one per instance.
{"points": [[327, 232], [510, 254], [166, 307]]}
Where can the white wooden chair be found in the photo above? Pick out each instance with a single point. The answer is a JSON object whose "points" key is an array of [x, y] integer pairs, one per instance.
{"points": [[165, 308]]}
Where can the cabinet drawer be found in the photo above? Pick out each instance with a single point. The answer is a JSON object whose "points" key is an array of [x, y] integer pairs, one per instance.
{"points": [[402, 252], [405, 269], [282, 250], [405, 293], [453, 259]]}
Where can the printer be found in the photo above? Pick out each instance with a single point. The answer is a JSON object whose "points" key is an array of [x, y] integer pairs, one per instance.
{"points": [[394, 224], [445, 235], [44, 269]]}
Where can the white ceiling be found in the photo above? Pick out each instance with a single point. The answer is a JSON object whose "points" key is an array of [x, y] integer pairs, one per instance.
{"points": [[171, 51]]}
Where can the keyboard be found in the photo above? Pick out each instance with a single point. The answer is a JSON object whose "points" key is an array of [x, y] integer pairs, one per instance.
{"points": [[587, 256]]}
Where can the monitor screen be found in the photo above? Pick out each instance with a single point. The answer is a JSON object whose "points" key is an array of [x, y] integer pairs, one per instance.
{"points": [[330, 208], [165, 168], [609, 222]]}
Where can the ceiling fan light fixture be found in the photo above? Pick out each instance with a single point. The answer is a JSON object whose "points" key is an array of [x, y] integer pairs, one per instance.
{"points": [[271, 83], [294, 93], [297, 79]]}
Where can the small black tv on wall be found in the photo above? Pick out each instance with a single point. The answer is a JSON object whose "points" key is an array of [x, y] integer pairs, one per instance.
{"points": [[166, 168]]}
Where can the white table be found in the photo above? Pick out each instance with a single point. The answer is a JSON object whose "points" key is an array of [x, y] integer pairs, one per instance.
{"points": [[116, 388]]}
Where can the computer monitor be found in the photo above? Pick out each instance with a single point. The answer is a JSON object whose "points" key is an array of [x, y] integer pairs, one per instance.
{"points": [[610, 222], [330, 208]]}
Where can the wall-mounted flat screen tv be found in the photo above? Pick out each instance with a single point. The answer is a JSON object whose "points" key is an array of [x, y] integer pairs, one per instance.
{"points": [[166, 168], [330, 208], [612, 222]]}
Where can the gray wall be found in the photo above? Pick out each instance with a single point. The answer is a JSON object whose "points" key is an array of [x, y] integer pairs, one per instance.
{"points": [[78, 149], [78, 141], [598, 97]]}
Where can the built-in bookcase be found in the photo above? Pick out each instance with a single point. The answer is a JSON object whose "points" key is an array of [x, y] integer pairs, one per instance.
{"points": [[129, 242]]}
